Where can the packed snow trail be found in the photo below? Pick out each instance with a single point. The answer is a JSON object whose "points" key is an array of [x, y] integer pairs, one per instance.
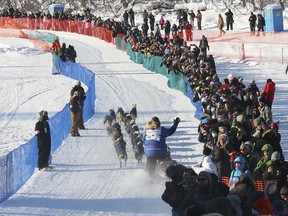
{"points": [[87, 179]]}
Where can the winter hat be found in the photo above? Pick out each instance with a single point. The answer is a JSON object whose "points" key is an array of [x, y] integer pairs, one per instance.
{"points": [[223, 137], [275, 125], [207, 175], [263, 206], [240, 118], [275, 156], [262, 99], [214, 129], [284, 190], [43, 113], [156, 121], [240, 79], [243, 146], [270, 189], [249, 145], [230, 77], [257, 121], [205, 121], [223, 129]]}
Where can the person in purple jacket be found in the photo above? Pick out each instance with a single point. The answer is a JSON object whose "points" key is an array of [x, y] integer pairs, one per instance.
{"points": [[154, 139]]}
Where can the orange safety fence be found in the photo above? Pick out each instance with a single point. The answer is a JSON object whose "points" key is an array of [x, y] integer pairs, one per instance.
{"points": [[244, 45], [42, 45], [12, 33], [259, 184], [72, 26]]}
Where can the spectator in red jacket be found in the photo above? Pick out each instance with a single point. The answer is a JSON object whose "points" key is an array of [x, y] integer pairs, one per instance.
{"points": [[188, 31], [56, 46], [268, 92]]}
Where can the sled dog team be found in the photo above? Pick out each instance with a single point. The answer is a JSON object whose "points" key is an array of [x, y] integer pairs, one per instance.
{"points": [[112, 123]]}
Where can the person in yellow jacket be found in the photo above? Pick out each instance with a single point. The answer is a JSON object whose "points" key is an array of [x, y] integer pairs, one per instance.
{"points": [[199, 19]]}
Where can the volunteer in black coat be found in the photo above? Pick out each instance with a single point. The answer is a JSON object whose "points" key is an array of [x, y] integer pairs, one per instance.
{"points": [[42, 131], [151, 21], [252, 22], [229, 19]]}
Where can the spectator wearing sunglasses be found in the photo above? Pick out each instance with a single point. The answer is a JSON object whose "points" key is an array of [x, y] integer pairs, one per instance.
{"points": [[205, 191]]}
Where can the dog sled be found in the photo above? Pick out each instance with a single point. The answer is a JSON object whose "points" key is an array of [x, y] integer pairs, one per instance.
{"points": [[162, 165]]}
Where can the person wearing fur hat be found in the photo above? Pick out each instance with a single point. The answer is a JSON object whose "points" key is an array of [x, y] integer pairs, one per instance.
{"points": [[75, 112], [42, 131], [264, 162], [154, 140], [251, 158]]}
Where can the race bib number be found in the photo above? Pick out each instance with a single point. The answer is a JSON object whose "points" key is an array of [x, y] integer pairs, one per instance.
{"points": [[152, 135]]}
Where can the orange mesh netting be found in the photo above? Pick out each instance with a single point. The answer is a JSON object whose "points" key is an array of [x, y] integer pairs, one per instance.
{"points": [[259, 184]]}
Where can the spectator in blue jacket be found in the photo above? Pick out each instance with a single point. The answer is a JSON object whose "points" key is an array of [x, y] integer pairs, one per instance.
{"points": [[154, 139], [239, 164]]}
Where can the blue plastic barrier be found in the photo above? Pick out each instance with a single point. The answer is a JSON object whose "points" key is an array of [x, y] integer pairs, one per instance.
{"points": [[18, 166]]}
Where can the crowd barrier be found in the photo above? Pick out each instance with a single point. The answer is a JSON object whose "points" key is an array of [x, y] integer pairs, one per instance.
{"points": [[175, 81], [259, 184], [17, 166]]}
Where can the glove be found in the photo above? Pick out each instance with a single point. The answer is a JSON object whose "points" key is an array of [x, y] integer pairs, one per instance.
{"points": [[177, 120]]}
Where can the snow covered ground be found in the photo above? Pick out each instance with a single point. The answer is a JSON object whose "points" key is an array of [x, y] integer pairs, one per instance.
{"points": [[87, 179]]}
